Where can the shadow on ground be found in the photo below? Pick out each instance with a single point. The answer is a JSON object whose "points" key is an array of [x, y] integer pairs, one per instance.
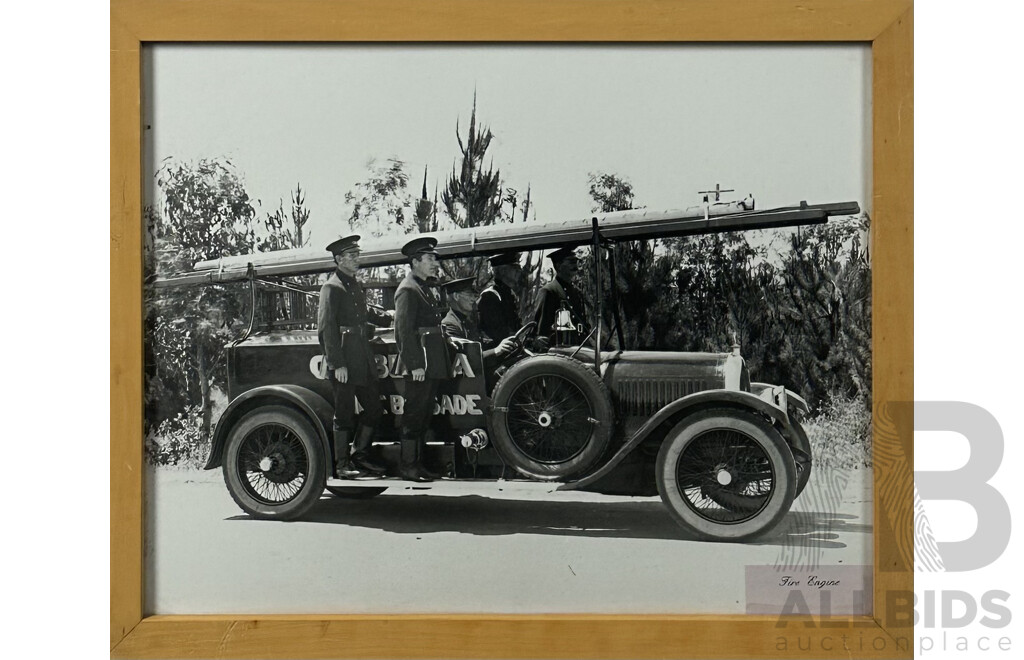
{"points": [[475, 514]]}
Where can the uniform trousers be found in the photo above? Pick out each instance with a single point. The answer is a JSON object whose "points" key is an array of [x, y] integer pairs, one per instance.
{"points": [[418, 410], [345, 404]]}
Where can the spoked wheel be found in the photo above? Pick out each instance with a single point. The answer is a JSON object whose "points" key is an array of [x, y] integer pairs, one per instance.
{"points": [[549, 419], [726, 475], [274, 463], [552, 417], [730, 470]]}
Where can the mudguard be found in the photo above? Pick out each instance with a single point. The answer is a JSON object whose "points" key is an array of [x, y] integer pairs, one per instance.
{"points": [[764, 390], [680, 408], [319, 411]]}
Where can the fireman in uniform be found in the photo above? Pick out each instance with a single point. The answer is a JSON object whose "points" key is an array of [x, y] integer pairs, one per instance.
{"points": [[561, 294], [344, 327], [461, 322], [422, 350], [499, 303]]}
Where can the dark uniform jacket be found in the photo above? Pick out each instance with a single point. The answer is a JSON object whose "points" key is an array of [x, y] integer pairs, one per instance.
{"points": [[344, 327], [553, 296], [457, 325], [421, 344], [499, 311]]}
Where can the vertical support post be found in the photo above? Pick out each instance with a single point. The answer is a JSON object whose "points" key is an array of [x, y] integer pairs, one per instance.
{"points": [[251, 274], [599, 294], [612, 270]]}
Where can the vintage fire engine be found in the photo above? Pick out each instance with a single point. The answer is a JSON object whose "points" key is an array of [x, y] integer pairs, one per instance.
{"points": [[727, 455]]}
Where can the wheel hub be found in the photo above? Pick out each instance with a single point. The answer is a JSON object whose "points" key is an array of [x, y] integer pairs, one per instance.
{"points": [[545, 419], [279, 465], [723, 477]]}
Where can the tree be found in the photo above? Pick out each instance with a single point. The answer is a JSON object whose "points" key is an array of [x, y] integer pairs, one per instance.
{"points": [[532, 264], [642, 276], [426, 211], [382, 204], [826, 299], [284, 230], [720, 281], [610, 192], [472, 197], [802, 319], [205, 213]]}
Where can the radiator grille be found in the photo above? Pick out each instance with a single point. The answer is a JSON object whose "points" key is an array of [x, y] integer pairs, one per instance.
{"points": [[645, 396]]}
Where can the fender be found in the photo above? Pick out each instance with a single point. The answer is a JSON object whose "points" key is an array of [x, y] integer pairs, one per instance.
{"points": [[319, 411], [680, 408], [794, 399]]}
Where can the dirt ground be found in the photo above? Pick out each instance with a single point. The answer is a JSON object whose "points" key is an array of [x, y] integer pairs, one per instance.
{"points": [[473, 547]]}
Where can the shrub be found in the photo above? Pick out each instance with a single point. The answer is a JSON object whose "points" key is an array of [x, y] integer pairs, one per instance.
{"points": [[179, 441], [840, 433]]}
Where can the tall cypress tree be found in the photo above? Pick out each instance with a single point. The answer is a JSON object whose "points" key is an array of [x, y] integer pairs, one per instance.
{"points": [[472, 196]]}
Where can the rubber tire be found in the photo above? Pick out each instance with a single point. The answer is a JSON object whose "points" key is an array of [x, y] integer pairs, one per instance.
{"points": [[356, 492], [594, 391], [766, 437], [804, 462], [316, 473]]}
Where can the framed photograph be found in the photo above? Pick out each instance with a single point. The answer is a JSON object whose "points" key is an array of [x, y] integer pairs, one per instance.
{"points": [[689, 435]]}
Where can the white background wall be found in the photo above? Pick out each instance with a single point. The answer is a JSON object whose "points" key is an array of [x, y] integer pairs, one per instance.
{"points": [[968, 136]]}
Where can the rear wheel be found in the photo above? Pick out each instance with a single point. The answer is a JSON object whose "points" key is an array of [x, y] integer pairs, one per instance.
{"points": [[726, 475], [552, 417], [274, 464]]}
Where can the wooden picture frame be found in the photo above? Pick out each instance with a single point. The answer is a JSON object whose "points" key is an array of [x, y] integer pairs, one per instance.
{"points": [[886, 24]]}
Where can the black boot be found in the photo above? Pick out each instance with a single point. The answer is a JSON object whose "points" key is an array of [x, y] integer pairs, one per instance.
{"points": [[343, 467], [410, 468], [427, 472], [361, 455], [420, 458]]}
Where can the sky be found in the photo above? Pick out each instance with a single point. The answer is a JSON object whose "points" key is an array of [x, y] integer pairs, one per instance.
{"points": [[783, 123]]}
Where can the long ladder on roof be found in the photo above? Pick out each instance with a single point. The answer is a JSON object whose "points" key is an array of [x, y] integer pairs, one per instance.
{"points": [[640, 224]]}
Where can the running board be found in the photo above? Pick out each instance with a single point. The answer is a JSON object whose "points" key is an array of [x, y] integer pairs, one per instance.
{"points": [[396, 482]]}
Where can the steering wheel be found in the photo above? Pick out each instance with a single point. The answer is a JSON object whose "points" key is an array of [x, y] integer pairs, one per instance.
{"points": [[524, 332], [520, 340]]}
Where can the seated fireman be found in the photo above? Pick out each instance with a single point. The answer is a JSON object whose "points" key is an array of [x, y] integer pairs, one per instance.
{"points": [[561, 311], [498, 305], [462, 322]]}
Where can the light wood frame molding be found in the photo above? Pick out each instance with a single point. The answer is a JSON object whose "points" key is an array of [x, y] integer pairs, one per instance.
{"points": [[886, 24]]}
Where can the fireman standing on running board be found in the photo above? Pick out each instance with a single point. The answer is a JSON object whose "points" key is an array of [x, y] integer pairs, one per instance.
{"points": [[422, 350], [345, 326]]}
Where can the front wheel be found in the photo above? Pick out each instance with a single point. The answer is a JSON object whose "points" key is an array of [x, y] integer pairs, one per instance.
{"points": [[726, 475], [802, 455], [274, 464]]}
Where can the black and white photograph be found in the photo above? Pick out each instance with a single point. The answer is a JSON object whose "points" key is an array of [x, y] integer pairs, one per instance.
{"points": [[509, 329]]}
